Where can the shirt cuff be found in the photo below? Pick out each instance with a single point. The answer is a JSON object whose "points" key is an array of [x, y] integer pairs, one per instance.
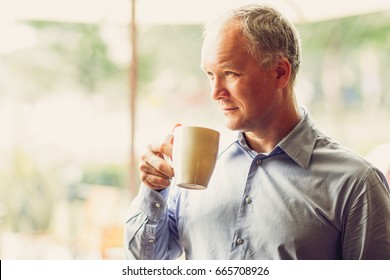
{"points": [[153, 203]]}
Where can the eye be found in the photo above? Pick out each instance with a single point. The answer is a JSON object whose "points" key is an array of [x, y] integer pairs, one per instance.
{"points": [[230, 74], [210, 75]]}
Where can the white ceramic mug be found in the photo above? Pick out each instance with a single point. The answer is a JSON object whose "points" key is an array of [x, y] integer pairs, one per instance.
{"points": [[195, 151]]}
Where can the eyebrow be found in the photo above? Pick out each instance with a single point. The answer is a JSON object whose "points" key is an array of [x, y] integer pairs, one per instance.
{"points": [[223, 65], [228, 64]]}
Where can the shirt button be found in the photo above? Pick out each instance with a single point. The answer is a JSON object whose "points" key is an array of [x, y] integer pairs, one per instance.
{"points": [[239, 241], [158, 205], [259, 162], [248, 200]]}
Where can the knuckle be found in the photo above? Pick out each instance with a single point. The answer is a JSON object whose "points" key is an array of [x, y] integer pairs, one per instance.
{"points": [[163, 146], [143, 177], [142, 166], [160, 165], [143, 157]]}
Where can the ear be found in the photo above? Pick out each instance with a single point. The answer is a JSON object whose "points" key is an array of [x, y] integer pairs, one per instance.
{"points": [[283, 73]]}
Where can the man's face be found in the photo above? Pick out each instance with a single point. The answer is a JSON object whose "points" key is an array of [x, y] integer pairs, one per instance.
{"points": [[246, 92]]}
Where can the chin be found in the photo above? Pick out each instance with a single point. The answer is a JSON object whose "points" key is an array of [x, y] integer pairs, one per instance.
{"points": [[234, 126]]}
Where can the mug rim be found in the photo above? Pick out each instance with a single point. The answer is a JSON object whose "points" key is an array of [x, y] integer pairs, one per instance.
{"points": [[196, 127]]}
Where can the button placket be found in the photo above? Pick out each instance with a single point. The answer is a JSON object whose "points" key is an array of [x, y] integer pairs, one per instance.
{"points": [[241, 238]]}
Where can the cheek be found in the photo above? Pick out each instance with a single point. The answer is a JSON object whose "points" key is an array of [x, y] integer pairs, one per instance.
{"points": [[249, 92]]}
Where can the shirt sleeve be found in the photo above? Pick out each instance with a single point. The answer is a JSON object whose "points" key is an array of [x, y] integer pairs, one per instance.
{"points": [[150, 227], [367, 226]]}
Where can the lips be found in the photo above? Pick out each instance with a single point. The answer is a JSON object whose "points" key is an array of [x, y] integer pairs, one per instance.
{"points": [[229, 109]]}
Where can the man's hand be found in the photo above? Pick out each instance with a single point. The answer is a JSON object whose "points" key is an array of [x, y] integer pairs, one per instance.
{"points": [[155, 171]]}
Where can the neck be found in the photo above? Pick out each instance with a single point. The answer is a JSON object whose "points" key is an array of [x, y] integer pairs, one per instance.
{"points": [[265, 139]]}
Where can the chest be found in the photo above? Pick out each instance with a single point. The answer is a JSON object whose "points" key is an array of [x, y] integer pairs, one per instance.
{"points": [[276, 217]]}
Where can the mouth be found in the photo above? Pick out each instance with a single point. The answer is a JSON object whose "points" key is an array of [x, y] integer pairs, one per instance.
{"points": [[229, 109]]}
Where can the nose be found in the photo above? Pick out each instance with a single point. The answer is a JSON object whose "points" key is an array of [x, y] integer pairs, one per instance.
{"points": [[218, 89]]}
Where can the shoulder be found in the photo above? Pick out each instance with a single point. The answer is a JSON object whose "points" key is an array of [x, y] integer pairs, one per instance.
{"points": [[340, 159]]}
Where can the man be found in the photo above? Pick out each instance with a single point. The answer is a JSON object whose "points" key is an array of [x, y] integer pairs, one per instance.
{"points": [[283, 190]]}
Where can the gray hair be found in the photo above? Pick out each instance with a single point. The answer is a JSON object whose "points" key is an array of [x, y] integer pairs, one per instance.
{"points": [[270, 36]]}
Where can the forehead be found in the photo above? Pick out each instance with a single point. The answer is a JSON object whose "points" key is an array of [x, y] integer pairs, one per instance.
{"points": [[221, 33], [224, 44]]}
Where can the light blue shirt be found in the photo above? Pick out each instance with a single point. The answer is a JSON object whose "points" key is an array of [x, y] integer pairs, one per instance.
{"points": [[309, 198]]}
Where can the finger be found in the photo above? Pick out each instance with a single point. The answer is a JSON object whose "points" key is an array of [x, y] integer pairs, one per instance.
{"points": [[166, 146], [153, 163], [146, 168], [160, 167], [155, 182], [173, 129], [168, 141], [163, 148], [176, 125]]}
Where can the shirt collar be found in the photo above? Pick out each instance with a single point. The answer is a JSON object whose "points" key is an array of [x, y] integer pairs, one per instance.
{"points": [[298, 144]]}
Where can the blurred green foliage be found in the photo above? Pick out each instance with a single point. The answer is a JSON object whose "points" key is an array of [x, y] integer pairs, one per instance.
{"points": [[29, 193], [347, 33], [169, 47], [114, 175], [67, 55], [346, 40]]}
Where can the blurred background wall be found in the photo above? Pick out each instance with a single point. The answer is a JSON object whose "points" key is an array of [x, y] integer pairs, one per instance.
{"points": [[66, 175]]}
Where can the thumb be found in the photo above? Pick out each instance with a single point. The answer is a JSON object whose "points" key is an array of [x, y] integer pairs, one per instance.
{"points": [[173, 128], [176, 125]]}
